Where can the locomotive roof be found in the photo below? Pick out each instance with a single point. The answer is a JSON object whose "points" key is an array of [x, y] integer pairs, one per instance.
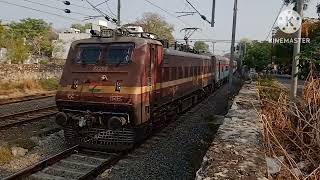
{"points": [[173, 52], [122, 39], [222, 58]]}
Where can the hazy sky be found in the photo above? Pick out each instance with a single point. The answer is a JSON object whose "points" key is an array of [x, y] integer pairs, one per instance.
{"points": [[255, 17]]}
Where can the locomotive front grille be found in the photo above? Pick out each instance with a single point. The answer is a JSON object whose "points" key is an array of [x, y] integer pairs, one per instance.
{"points": [[104, 138]]}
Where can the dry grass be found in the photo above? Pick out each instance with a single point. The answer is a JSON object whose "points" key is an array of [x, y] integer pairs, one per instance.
{"points": [[5, 155], [292, 129], [27, 86]]}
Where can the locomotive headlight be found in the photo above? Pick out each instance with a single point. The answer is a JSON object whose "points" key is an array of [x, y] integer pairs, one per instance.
{"points": [[118, 86], [116, 122]]}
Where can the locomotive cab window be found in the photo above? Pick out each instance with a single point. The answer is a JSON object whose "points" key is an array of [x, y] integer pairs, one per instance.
{"points": [[88, 54], [119, 53]]}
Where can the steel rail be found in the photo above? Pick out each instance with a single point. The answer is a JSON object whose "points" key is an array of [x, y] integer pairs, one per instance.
{"points": [[14, 119], [26, 98], [43, 164], [47, 163]]}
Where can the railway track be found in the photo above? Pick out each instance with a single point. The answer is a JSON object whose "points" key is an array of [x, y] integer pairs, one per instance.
{"points": [[26, 98], [78, 163], [73, 163], [15, 119]]}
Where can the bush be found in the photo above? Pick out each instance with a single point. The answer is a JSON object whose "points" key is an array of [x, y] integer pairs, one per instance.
{"points": [[291, 128], [269, 89]]}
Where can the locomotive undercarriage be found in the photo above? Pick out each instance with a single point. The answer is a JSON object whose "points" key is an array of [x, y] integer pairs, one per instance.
{"points": [[91, 127], [114, 130]]}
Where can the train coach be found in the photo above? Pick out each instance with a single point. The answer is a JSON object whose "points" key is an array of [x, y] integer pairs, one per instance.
{"points": [[114, 91]]}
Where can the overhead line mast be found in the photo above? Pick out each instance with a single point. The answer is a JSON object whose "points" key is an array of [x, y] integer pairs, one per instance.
{"points": [[119, 13], [234, 27], [296, 52]]}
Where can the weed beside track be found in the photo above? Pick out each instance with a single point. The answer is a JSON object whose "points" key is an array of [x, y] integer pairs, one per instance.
{"points": [[291, 129]]}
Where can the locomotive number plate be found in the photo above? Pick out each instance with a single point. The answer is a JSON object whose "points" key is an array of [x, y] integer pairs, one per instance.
{"points": [[100, 69]]}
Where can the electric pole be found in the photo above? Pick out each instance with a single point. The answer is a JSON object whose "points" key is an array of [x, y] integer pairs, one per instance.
{"points": [[119, 13], [234, 27], [213, 13], [296, 52]]}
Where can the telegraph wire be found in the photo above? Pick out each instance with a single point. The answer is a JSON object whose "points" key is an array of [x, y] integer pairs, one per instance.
{"points": [[38, 10], [275, 21]]}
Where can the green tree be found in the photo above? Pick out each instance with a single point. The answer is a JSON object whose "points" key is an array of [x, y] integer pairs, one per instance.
{"points": [[310, 53], [201, 46], [37, 32], [156, 24], [257, 55], [18, 52], [81, 27]]}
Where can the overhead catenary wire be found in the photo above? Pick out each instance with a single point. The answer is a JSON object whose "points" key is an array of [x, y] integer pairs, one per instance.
{"points": [[107, 4], [38, 10], [171, 14], [87, 8], [200, 14], [46, 5], [166, 11], [75, 5], [107, 17], [275, 21]]}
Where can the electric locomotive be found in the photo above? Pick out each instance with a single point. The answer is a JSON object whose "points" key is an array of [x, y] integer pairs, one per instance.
{"points": [[115, 90]]}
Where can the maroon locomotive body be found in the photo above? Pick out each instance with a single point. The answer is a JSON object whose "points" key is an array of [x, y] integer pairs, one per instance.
{"points": [[113, 91]]}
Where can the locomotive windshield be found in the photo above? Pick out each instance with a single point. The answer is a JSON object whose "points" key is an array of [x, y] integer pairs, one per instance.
{"points": [[119, 53], [88, 55], [114, 54]]}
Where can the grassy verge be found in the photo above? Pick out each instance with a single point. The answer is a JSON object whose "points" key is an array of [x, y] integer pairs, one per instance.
{"points": [[292, 129], [49, 84], [14, 88]]}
